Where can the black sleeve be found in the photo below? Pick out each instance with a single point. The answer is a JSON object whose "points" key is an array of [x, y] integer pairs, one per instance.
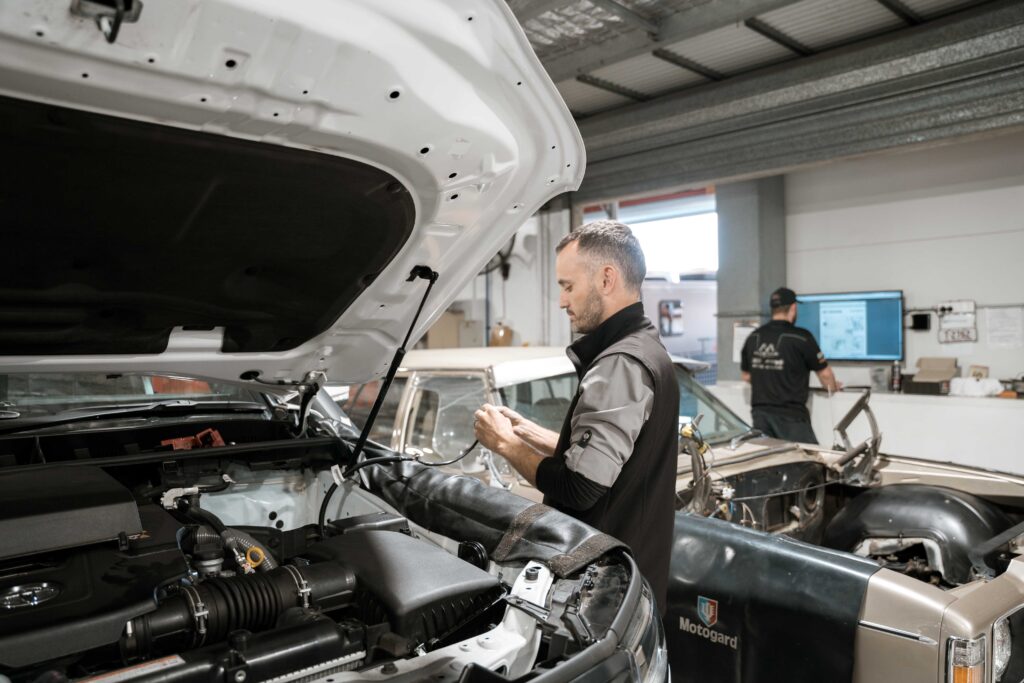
{"points": [[813, 356], [748, 351], [565, 487]]}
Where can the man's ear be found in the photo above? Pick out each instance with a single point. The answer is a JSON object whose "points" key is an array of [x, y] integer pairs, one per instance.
{"points": [[609, 278]]}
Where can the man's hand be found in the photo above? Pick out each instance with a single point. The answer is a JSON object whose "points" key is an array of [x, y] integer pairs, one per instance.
{"points": [[494, 430], [515, 418], [540, 439], [828, 380]]}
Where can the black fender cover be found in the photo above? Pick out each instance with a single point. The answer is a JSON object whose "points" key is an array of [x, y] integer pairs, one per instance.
{"points": [[510, 527], [747, 606]]}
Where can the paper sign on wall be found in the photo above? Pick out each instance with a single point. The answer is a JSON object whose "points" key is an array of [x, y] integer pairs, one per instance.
{"points": [[740, 332], [1005, 327], [958, 327]]}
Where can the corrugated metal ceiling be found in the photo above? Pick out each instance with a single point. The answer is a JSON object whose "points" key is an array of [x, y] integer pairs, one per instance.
{"points": [[563, 30], [649, 75], [571, 27], [821, 24], [931, 9], [731, 50], [586, 99]]}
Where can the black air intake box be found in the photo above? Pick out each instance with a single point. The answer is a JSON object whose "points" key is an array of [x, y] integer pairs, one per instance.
{"points": [[424, 590]]}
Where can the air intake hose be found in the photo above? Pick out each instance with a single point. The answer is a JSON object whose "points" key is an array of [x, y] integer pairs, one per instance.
{"points": [[207, 612]]}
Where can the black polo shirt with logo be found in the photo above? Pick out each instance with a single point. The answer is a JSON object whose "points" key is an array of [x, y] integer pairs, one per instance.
{"points": [[780, 357]]}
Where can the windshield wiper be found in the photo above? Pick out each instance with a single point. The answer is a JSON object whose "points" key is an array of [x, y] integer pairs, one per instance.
{"points": [[153, 409], [751, 433]]}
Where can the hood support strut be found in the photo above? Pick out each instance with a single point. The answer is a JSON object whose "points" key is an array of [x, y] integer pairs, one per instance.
{"points": [[418, 273]]}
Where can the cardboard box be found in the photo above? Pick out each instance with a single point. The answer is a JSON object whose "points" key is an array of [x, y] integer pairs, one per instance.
{"points": [[444, 334], [932, 376]]}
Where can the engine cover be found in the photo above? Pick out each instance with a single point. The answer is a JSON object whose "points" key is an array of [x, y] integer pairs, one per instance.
{"points": [[63, 508], [90, 592], [424, 590]]}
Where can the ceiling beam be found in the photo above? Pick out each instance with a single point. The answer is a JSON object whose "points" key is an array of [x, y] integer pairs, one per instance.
{"points": [[904, 12], [776, 36], [684, 24], [613, 87], [689, 64]]}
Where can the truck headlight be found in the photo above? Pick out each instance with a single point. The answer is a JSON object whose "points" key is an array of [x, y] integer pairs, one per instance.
{"points": [[644, 640], [965, 659], [1001, 646]]}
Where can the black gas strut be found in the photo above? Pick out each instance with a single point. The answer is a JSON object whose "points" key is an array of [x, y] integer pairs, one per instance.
{"points": [[417, 273]]}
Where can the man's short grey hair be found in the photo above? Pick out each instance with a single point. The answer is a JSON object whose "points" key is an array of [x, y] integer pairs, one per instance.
{"points": [[611, 241]]}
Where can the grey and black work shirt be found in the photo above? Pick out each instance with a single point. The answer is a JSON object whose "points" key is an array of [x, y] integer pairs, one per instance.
{"points": [[616, 395], [615, 463]]}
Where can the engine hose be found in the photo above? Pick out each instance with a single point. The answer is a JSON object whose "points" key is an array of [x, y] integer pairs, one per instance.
{"points": [[236, 540], [190, 508], [701, 479], [244, 542], [207, 612]]}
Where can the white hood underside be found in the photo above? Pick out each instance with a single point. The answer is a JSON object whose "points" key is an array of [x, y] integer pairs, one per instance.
{"points": [[320, 75]]}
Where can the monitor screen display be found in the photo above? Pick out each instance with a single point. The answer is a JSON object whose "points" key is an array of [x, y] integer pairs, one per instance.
{"points": [[855, 325]]}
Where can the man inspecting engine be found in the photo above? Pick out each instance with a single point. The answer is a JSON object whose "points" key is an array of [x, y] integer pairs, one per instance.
{"points": [[613, 464]]}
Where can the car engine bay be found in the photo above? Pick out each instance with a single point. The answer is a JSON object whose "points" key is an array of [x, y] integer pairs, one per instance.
{"points": [[939, 535], [155, 563]]}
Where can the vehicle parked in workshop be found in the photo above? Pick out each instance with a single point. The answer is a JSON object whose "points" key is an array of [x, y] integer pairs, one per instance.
{"points": [[213, 205], [428, 413], [865, 567]]}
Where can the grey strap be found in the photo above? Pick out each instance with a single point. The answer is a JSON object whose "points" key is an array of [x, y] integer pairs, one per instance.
{"points": [[583, 554], [520, 524]]}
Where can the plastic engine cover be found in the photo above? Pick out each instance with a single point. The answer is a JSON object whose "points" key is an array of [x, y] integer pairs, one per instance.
{"points": [[424, 590]]}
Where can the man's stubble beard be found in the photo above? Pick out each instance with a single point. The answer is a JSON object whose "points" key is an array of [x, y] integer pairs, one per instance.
{"points": [[589, 317]]}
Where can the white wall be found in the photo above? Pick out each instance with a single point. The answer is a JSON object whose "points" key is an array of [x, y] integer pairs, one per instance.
{"points": [[941, 223], [978, 432], [528, 300]]}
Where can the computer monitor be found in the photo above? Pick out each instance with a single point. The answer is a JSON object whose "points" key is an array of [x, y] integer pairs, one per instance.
{"points": [[855, 326]]}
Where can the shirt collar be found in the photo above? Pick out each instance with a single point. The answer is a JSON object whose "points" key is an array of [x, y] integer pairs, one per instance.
{"points": [[586, 349]]}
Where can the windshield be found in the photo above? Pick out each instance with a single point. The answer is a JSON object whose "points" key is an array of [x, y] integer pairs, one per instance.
{"points": [[544, 401], [440, 422], [358, 402], [719, 423], [42, 394]]}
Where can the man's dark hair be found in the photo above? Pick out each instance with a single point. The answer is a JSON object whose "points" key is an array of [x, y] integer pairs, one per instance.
{"points": [[611, 241]]}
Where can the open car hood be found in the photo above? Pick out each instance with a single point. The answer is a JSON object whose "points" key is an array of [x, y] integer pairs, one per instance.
{"points": [[245, 185]]}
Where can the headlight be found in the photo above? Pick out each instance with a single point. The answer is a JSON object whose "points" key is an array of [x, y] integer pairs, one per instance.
{"points": [[1001, 646], [644, 640], [965, 659]]}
